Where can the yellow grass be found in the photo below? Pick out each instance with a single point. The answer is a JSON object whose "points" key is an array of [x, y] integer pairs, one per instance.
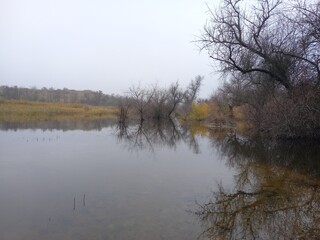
{"points": [[11, 110]]}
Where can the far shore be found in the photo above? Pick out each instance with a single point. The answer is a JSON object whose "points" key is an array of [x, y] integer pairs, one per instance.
{"points": [[18, 111]]}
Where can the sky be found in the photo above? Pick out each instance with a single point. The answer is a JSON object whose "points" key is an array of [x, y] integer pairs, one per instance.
{"points": [[102, 44]]}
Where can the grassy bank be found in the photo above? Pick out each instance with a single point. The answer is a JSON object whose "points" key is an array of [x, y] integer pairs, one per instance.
{"points": [[16, 111]]}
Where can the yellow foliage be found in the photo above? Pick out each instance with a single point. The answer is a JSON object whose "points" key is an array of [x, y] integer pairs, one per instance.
{"points": [[199, 111]]}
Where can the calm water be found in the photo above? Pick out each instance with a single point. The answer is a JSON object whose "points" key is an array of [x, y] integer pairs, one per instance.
{"points": [[96, 180]]}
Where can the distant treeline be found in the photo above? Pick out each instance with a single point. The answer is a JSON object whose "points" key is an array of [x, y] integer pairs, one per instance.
{"points": [[59, 95]]}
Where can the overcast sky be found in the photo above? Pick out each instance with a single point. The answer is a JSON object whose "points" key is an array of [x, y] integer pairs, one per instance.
{"points": [[102, 44]]}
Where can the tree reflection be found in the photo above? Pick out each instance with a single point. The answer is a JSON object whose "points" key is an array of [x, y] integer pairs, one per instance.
{"points": [[297, 155], [151, 134], [276, 193]]}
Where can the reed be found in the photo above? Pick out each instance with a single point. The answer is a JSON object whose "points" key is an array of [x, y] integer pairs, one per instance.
{"points": [[12, 110]]}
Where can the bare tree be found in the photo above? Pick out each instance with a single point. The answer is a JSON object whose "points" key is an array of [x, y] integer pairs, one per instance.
{"points": [[176, 96], [193, 89], [124, 108], [269, 50], [158, 104], [249, 40], [141, 98], [305, 19]]}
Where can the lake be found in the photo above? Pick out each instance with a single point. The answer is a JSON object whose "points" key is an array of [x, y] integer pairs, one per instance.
{"points": [[100, 180]]}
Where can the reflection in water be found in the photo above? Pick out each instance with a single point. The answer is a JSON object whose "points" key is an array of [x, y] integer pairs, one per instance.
{"points": [[84, 186], [296, 155], [127, 196], [65, 125], [148, 135], [276, 193]]}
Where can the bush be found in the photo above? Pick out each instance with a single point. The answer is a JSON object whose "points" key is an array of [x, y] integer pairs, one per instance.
{"points": [[295, 116], [199, 111]]}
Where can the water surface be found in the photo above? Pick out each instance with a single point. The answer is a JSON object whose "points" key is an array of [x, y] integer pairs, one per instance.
{"points": [[91, 183], [98, 180]]}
